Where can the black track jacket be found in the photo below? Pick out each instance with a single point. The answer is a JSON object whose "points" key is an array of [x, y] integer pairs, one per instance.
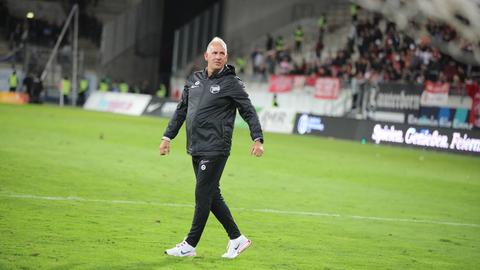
{"points": [[209, 107]]}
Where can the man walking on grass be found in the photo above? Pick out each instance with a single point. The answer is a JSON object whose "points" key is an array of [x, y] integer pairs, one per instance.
{"points": [[208, 105]]}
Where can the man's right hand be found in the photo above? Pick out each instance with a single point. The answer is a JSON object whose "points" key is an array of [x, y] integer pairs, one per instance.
{"points": [[164, 147]]}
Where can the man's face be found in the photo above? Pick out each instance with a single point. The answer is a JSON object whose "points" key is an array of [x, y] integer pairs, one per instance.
{"points": [[216, 57]]}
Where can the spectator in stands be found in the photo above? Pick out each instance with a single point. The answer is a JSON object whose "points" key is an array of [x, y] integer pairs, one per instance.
{"points": [[319, 48], [162, 91], [270, 63], [103, 85], [65, 89], [258, 63], [285, 66], [322, 24], [275, 101], [123, 87], [13, 81], [354, 11], [279, 46], [136, 88], [358, 88], [269, 43], [145, 88], [37, 88], [115, 86], [27, 85], [82, 90], [298, 36], [241, 63]]}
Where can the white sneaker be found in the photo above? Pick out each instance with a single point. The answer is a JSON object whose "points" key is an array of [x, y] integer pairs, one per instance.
{"points": [[236, 246], [181, 250]]}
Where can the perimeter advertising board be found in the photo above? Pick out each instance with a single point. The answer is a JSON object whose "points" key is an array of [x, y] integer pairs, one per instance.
{"points": [[444, 139]]}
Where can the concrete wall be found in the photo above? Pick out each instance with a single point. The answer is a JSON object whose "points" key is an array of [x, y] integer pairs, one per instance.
{"points": [[246, 20], [133, 69]]}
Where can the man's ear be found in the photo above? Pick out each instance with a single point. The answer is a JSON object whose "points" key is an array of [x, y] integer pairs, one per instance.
{"points": [[205, 55]]}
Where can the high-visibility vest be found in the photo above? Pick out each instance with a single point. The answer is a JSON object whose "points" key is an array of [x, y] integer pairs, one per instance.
{"points": [[162, 91], [66, 86], [298, 35], [241, 63], [123, 88], [103, 86], [353, 9], [279, 43], [321, 21], [83, 85], [13, 81]]}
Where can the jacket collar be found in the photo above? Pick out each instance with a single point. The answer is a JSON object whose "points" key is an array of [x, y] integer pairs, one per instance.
{"points": [[226, 70]]}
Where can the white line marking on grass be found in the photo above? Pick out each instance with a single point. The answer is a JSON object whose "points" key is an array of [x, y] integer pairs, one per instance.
{"points": [[271, 211]]}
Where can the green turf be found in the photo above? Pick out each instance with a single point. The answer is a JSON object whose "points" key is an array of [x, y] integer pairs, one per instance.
{"points": [[118, 184]]}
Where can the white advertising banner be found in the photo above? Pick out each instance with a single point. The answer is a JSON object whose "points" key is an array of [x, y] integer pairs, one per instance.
{"points": [[123, 103], [277, 120], [168, 109]]}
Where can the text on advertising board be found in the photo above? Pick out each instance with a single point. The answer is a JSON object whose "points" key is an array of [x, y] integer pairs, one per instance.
{"points": [[308, 123], [425, 138]]}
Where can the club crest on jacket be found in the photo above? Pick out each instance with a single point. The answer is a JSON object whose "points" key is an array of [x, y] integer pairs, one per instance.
{"points": [[215, 89]]}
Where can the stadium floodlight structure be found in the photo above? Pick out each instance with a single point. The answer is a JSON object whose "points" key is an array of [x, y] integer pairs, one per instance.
{"points": [[72, 18], [462, 15]]}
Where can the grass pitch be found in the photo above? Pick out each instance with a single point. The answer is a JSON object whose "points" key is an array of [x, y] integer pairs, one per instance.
{"points": [[87, 190]]}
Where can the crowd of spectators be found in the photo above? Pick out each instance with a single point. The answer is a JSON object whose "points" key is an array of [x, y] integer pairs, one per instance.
{"points": [[444, 33], [376, 52]]}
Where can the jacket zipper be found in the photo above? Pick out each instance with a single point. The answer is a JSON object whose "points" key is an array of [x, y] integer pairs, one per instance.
{"points": [[194, 122]]}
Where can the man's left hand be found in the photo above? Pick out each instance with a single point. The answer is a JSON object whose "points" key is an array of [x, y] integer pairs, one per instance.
{"points": [[257, 149]]}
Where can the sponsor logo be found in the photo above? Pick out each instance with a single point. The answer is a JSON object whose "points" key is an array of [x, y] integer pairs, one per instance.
{"points": [[195, 85], [203, 167], [307, 124], [215, 89], [168, 109], [425, 138], [464, 143], [387, 134], [153, 107], [279, 117], [399, 101]]}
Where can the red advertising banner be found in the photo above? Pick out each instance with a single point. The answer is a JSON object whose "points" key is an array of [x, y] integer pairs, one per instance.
{"points": [[437, 87], [299, 81], [327, 88], [311, 80], [475, 111], [435, 94], [280, 83], [471, 88]]}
